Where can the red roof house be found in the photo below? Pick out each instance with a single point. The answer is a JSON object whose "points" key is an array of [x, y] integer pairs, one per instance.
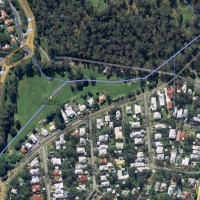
{"points": [[36, 188], [56, 172], [186, 195], [178, 136], [198, 143], [170, 93], [83, 179], [102, 99], [23, 150], [102, 161], [183, 136], [36, 197], [169, 105]]}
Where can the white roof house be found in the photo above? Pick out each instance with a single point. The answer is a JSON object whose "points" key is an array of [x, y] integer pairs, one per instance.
{"points": [[64, 116], [122, 175], [103, 146], [83, 141], [82, 159], [1, 3], [69, 111], [196, 152], [103, 138], [118, 115], [103, 178], [173, 157], [160, 156], [171, 190], [185, 113], [160, 126], [166, 96], [107, 118], [158, 136], [35, 179], [44, 132], [90, 101], [78, 171], [80, 166], [57, 145], [105, 184], [118, 133], [128, 110], [159, 150], [180, 114], [198, 136], [28, 145], [59, 195], [196, 147], [185, 161], [34, 163], [82, 131], [62, 140], [137, 109], [137, 134], [172, 133], [56, 161], [153, 104], [100, 123], [33, 138], [58, 185], [138, 140], [184, 88], [82, 107], [140, 154], [161, 98], [103, 167], [157, 115], [119, 145], [110, 124], [13, 191], [138, 164], [135, 124], [34, 171], [80, 150], [158, 144], [81, 187], [102, 151]]}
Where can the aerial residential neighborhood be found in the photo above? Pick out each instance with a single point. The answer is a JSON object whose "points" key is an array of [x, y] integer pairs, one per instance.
{"points": [[99, 100], [110, 151]]}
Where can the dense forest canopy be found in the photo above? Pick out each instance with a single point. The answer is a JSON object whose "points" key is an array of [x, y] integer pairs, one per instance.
{"points": [[133, 32]]}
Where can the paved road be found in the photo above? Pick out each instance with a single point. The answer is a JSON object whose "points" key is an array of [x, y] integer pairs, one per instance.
{"points": [[44, 159], [45, 53], [148, 123], [112, 65], [92, 153]]}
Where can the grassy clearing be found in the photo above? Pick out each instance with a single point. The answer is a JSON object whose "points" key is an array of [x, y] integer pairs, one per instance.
{"points": [[32, 91], [186, 12], [100, 4], [44, 45]]}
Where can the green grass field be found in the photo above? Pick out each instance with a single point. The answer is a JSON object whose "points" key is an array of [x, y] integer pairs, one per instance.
{"points": [[32, 91]]}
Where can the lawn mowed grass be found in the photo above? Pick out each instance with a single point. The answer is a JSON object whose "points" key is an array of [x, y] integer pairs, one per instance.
{"points": [[33, 91]]}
